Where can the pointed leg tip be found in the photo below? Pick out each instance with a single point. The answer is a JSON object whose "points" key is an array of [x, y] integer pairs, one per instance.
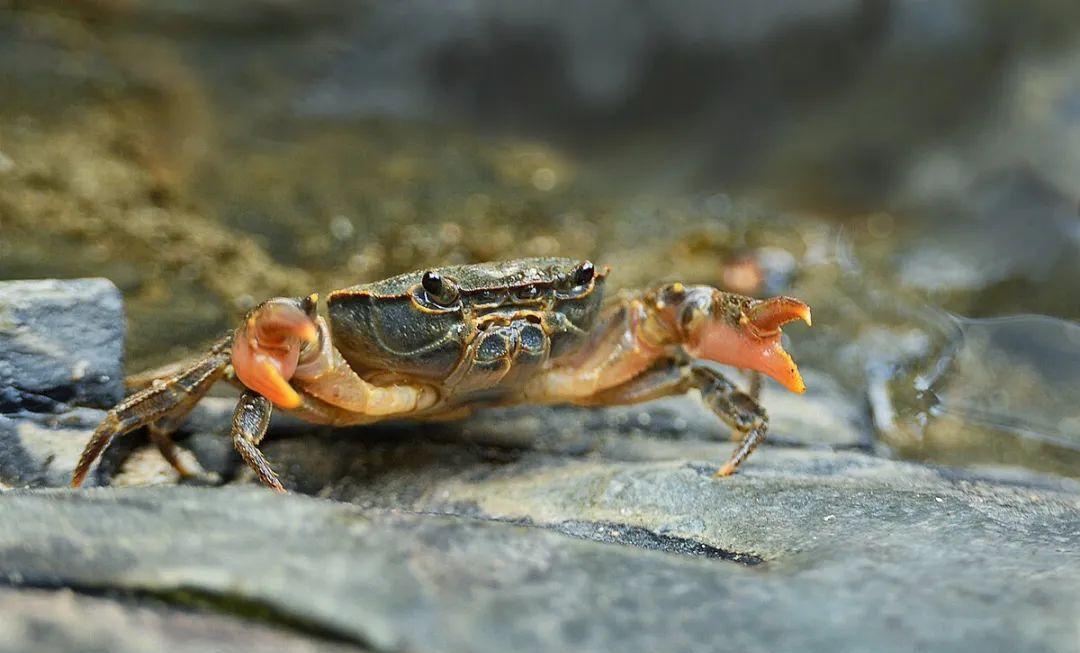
{"points": [[727, 470]]}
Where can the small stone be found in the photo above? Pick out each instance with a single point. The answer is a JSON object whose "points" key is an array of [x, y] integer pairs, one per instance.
{"points": [[37, 452], [61, 344]]}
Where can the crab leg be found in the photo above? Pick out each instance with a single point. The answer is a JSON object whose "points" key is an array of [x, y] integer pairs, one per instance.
{"points": [[161, 435], [670, 377], [158, 401], [250, 419], [631, 357]]}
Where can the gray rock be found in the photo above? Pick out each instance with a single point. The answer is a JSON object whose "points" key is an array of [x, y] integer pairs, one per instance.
{"points": [[851, 551], [41, 450], [63, 621], [1008, 225], [61, 342]]}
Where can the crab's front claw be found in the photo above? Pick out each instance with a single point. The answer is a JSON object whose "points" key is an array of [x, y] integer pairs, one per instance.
{"points": [[768, 315], [267, 347], [746, 333]]}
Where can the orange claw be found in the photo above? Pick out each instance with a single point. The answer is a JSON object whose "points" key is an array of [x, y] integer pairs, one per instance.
{"points": [[755, 342], [267, 348], [770, 314], [266, 373]]}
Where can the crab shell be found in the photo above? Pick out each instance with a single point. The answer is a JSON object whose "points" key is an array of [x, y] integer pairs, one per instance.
{"points": [[496, 319]]}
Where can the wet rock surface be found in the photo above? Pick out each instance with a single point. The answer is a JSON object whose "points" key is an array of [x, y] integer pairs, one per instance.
{"points": [[852, 550], [1003, 390], [63, 620], [61, 342], [61, 360]]}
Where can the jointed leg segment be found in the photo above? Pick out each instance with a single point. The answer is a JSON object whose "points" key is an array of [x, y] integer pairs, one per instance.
{"points": [[159, 402], [250, 419], [736, 408], [670, 376]]}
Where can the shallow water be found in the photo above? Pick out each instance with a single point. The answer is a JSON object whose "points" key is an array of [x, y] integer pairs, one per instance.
{"points": [[910, 169]]}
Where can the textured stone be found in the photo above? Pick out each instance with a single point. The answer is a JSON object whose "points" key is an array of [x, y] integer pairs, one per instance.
{"points": [[41, 450], [850, 550], [61, 342], [63, 621]]}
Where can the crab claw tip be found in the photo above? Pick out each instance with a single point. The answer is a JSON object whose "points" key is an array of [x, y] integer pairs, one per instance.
{"points": [[274, 387], [770, 314], [754, 343]]}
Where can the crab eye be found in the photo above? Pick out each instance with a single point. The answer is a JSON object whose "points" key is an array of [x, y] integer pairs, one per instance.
{"points": [[439, 290], [584, 274]]}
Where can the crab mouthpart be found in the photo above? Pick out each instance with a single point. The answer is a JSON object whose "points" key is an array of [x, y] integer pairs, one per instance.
{"points": [[755, 343], [266, 350]]}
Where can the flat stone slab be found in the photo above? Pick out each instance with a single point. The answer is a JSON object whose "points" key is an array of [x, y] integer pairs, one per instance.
{"points": [[63, 621], [806, 550]]}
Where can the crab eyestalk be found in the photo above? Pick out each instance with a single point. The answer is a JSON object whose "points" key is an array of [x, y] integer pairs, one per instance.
{"points": [[742, 332], [267, 347]]}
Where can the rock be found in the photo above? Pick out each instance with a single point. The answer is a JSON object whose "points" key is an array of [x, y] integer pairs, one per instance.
{"points": [[845, 550], [1011, 225], [61, 343], [62, 621], [41, 450]]}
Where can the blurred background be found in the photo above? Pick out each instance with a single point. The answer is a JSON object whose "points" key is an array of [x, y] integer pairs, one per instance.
{"points": [[910, 168]]}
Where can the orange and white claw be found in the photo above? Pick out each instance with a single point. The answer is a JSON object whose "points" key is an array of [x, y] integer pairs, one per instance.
{"points": [[267, 347], [751, 339]]}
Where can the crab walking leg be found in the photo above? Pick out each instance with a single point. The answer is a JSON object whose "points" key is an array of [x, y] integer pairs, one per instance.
{"points": [[250, 419], [144, 379], [748, 420], [153, 403], [161, 435], [738, 409], [754, 387]]}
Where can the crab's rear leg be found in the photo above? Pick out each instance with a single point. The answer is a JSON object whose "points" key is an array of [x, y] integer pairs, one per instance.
{"points": [[159, 401], [671, 376], [161, 431]]}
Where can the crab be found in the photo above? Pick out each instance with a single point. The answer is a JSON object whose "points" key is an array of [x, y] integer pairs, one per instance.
{"points": [[437, 344]]}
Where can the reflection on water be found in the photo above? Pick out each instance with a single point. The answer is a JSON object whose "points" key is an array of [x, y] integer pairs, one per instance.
{"points": [[1003, 390], [889, 162]]}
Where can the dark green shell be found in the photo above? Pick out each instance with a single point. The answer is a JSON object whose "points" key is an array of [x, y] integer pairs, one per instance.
{"points": [[392, 326]]}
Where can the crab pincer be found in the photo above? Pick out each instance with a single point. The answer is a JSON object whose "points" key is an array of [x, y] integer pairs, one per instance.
{"points": [[266, 349]]}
